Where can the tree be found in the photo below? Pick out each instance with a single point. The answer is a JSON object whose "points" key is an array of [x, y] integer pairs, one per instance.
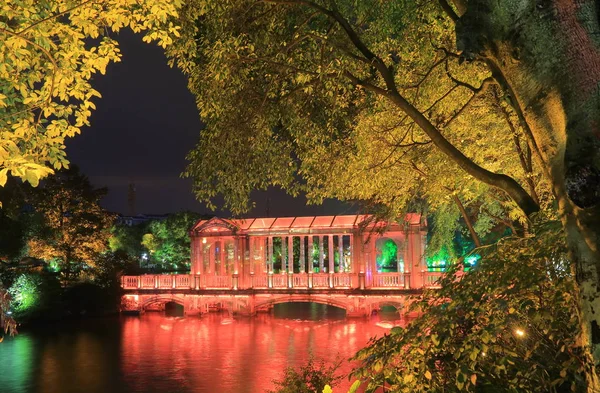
{"points": [[309, 378], [375, 101], [49, 52], [35, 295], [128, 239], [75, 228], [479, 334], [168, 240]]}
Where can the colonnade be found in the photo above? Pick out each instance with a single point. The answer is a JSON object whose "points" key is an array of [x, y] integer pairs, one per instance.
{"points": [[251, 254], [270, 252]]}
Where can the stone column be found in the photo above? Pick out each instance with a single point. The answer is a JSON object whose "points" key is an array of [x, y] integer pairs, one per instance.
{"points": [[399, 260], [212, 254], [270, 254], [193, 256], [330, 250], [283, 255], [236, 255], [311, 262], [251, 252], [302, 259], [222, 257], [291, 254], [200, 256], [341, 263], [351, 249], [321, 267]]}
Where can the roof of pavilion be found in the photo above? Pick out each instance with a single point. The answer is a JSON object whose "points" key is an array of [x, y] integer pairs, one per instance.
{"points": [[291, 223]]}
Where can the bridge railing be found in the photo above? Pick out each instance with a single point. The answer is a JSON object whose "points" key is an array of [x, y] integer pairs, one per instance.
{"points": [[300, 281], [388, 280], [184, 281], [282, 281], [279, 281], [216, 282], [430, 279], [130, 282], [260, 281], [342, 280], [148, 282], [320, 280]]}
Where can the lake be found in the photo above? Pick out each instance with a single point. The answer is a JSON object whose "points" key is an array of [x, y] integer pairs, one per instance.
{"points": [[157, 353]]}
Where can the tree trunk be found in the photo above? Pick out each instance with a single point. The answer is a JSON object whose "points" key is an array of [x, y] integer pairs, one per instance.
{"points": [[547, 55]]}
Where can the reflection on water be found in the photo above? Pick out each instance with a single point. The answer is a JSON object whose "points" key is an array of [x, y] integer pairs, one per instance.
{"points": [[156, 353]]}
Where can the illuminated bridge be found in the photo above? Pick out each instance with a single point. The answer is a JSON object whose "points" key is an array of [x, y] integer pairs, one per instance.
{"points": [[249, 265]]}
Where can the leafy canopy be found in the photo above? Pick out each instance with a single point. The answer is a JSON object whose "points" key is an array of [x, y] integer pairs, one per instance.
{"points": [[49, 52], [332, 99], [75, 228]]}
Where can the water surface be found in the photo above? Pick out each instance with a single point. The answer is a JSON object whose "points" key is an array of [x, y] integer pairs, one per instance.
{"points": [[156, 353]]}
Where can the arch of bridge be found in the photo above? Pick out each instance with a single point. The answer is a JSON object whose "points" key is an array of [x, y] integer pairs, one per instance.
{"points": [[147, 301], [305, 298]]}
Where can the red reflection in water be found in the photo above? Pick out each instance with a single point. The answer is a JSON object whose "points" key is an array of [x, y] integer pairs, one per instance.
{"points": [[215, 353]]}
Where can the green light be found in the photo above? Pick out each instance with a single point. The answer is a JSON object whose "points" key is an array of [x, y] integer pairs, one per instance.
{"points": [[389, 252], [472, 259], [25, 292]]}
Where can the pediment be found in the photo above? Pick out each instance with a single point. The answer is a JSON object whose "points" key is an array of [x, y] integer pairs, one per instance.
{"points": [[214, 225]]}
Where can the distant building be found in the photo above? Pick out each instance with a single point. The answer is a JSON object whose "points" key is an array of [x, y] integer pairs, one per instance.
{"points": [[139, 219]]}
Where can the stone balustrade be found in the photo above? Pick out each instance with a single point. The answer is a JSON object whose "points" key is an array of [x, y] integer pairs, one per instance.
{"points": [[280, 281]]}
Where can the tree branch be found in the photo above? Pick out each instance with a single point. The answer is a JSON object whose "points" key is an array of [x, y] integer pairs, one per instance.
{"points": [[45, 52], [467, 219], [522, 158], [461, 208], [461, 6], [54, 16], [504, 182], [448, 10]]}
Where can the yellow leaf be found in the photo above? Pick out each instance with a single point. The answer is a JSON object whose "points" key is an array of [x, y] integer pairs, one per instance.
{"points": [[428, 375], [354, 386], [3, 176]]}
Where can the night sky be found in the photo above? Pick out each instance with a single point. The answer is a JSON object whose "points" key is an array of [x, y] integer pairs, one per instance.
{"points": [[144, 125]]}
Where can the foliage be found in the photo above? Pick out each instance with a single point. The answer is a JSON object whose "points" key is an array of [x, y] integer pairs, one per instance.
{"points": [[149, 242], [12, 238], [75, 227], [15, 224], [169, 242], [304, 96], [389, 251], [49, 51], [7, 322], [309, 378], [35, 295], [508, 325], [25, 292], [110, 266], [128, 239]]}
